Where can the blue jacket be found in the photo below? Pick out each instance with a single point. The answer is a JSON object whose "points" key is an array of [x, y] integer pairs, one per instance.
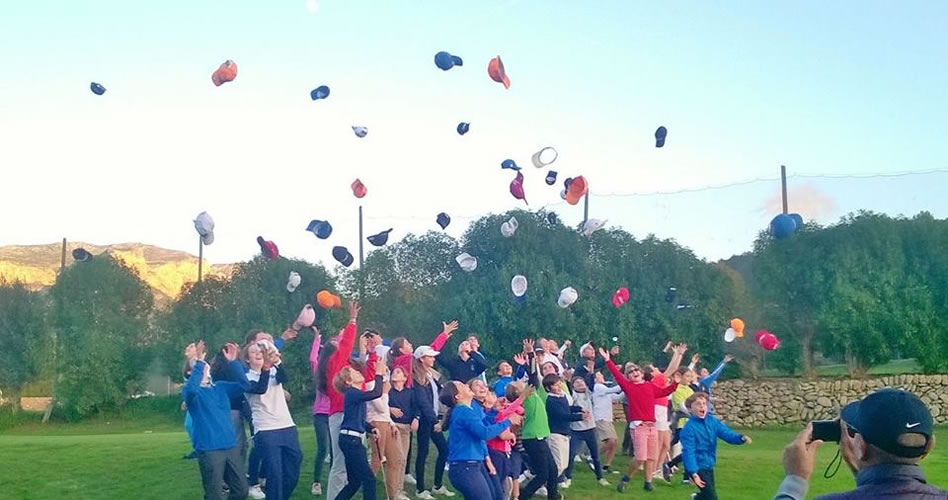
{"points": [[405, 400], [209, 407], [353, 413], [699, 442], [467, 441], [560, 414]]}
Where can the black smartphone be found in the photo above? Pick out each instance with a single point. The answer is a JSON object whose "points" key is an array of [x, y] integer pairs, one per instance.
{"points": [[826, 430]]}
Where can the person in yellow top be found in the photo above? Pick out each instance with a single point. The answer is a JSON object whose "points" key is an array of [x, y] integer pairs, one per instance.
{"points": [[685, 376]]}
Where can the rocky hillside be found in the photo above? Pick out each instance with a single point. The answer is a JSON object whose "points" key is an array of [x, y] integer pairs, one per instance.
{"points": [[164, 270]]}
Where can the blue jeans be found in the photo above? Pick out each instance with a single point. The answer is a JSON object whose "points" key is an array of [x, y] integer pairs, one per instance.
{"points": [[588, 437], [472, 480], [359, 474], [280, 451]]}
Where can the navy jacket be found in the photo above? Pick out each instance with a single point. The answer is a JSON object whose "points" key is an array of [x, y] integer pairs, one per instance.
{"points": [[559, 413], [406, 401], [461, 370], [353, 403], [425, 401]]}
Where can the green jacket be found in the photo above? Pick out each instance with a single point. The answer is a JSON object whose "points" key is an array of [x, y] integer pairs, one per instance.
{"points": [[535, 423]]}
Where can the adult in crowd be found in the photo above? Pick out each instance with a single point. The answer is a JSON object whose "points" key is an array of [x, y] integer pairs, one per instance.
{"points": [[883, 438], [427, 387], [467, 365], [659, 379], [320, 411]]}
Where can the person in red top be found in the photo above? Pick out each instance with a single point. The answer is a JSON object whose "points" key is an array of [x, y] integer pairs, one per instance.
{"points": [[339, 359], [641, 396], [659, 379]]}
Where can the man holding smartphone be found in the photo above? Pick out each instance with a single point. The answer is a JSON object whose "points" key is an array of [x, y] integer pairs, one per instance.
{"points": [[882, 438]]}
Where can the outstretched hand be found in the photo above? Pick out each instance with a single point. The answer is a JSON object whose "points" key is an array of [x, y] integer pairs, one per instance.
{"points": [[449, 328], [728, 358], [230, 351], [605, 354], [190, 352], [680, 349], [528, 345], [520, 359], [353, 311], [695, 358]]}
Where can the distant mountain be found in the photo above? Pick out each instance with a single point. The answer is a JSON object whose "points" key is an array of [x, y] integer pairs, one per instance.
{"points": [[165, 271]]}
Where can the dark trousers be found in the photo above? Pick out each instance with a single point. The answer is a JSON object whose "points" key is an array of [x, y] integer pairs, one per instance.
{"points": [[358, 472], [237, 419], [541, 460], [254, 465], [575, 441], [323, 447], [222, 467], [706, 493], [501, 463], [472, 480], [280, 453], [427, 434]]}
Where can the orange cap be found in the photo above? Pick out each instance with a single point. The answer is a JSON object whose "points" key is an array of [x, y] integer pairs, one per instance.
{"points": [[577, 189], [327, 300]]}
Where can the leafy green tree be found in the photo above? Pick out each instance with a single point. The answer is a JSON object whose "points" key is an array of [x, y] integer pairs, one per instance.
{"points": [[101, 313], [25, 337]]}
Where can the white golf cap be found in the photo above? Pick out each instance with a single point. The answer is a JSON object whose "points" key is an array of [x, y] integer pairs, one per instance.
{"points": [[467, 261], [568, 296], [424, 350], [509, 228], [293, 282]]}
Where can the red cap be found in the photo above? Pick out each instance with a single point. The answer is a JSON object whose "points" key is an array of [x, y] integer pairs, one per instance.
{"points": [[620, 297], [359, 189], [225, 73], [496, 71]]}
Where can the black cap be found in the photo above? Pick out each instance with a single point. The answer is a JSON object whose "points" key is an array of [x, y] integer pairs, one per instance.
{"points": [[380, 238], [81, 255], [443, 220], [883, 416]]}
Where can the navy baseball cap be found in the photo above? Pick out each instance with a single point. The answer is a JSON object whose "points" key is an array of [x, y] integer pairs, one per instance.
{"points": [[342, 255], [379, 239], [443, 220], [321, 228], [660, 135], [463, 128], [320, 92], [883, 416]]}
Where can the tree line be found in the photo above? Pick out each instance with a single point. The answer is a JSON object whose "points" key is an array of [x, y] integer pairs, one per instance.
{"points": [[863, 290]]}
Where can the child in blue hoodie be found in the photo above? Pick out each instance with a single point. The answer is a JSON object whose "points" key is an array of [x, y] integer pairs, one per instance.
{"points": [[699, 441], [214, 439]]}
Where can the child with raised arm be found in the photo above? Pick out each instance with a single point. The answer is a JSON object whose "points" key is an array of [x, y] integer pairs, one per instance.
{"points": [[699, 444], [641, 397], [213, 433], [349, 383]]}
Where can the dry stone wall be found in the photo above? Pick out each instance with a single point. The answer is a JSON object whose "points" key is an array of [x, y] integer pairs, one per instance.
{"points": [[756, 403]]}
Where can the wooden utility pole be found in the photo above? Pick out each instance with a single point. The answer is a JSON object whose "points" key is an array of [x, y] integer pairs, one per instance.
{"points": [[586, 207], [200, 256], [783, 186], [361, 255]]}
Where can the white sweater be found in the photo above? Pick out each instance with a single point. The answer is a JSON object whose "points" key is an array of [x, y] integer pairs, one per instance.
{"points": [[269, 409]]}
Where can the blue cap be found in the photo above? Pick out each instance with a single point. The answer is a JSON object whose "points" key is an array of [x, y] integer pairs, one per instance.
{"points": [[567, 182], [463, 128], [446, 61], [660, 136], [342, 255], [320, 92], [550, 178], [96, 88], [360, 132], [552, 218], [380, 238], [509, 164], [798, 220], [782, 226], [443, 220], [322, 229], [670, 294]]}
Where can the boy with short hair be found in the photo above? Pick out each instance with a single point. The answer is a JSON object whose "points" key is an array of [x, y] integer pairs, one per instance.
{"points": [[699, 442]]}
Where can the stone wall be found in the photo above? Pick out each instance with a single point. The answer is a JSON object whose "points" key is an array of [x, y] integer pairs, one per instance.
{"points": [[750, 403]]}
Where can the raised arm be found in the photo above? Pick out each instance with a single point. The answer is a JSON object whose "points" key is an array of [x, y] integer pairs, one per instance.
{"points": [[346, 338], [314, 350], [447, 329], [678, 353], [717, 371], [478, 429]]}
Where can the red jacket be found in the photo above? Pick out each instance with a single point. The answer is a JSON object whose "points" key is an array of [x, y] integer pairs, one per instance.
{"points": [[337, 361], [641, 396]]}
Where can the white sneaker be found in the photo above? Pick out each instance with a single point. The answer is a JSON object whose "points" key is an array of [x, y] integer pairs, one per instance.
{"points": [[577, 459], [541, 491], [443, 491], [256, 493], [604, 482], [409, 479], [317, 489], [522, 479], [566, 483], [424, 495], [401, 496]]}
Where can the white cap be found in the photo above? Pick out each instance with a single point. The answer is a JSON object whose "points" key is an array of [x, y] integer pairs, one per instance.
{"points": [[593, 225], [729, 335], [204, 225], [509, 228], [568, 296], [293, 282], [424, 350], [467, 261], [544, 157], [518, 285]]}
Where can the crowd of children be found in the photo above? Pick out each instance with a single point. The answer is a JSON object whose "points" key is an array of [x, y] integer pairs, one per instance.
{"points": [[514, 439]]}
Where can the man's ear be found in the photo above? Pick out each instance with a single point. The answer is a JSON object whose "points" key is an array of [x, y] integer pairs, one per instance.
{"points": [[928, 449]]}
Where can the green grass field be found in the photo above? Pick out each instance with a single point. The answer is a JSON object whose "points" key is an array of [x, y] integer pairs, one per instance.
{"points": [[124, 460]]}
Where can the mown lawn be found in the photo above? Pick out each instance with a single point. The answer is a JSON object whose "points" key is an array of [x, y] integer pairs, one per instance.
{"points": [[53, 463]]}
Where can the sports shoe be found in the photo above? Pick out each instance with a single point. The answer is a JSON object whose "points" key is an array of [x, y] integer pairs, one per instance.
{"points": [[541, 491], [317, 489], [616, 472], [401, 496], [565, 484], [424, 495], [577, 459], [256, 493], [443, 491], [621, 486], [190, 456], [591, 465], [409, 479], [647, 486], [603, 482], [666, 473], [685, 482]]}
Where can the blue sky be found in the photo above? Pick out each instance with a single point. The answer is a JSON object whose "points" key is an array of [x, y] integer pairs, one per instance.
{"points": [[743, 87]]}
